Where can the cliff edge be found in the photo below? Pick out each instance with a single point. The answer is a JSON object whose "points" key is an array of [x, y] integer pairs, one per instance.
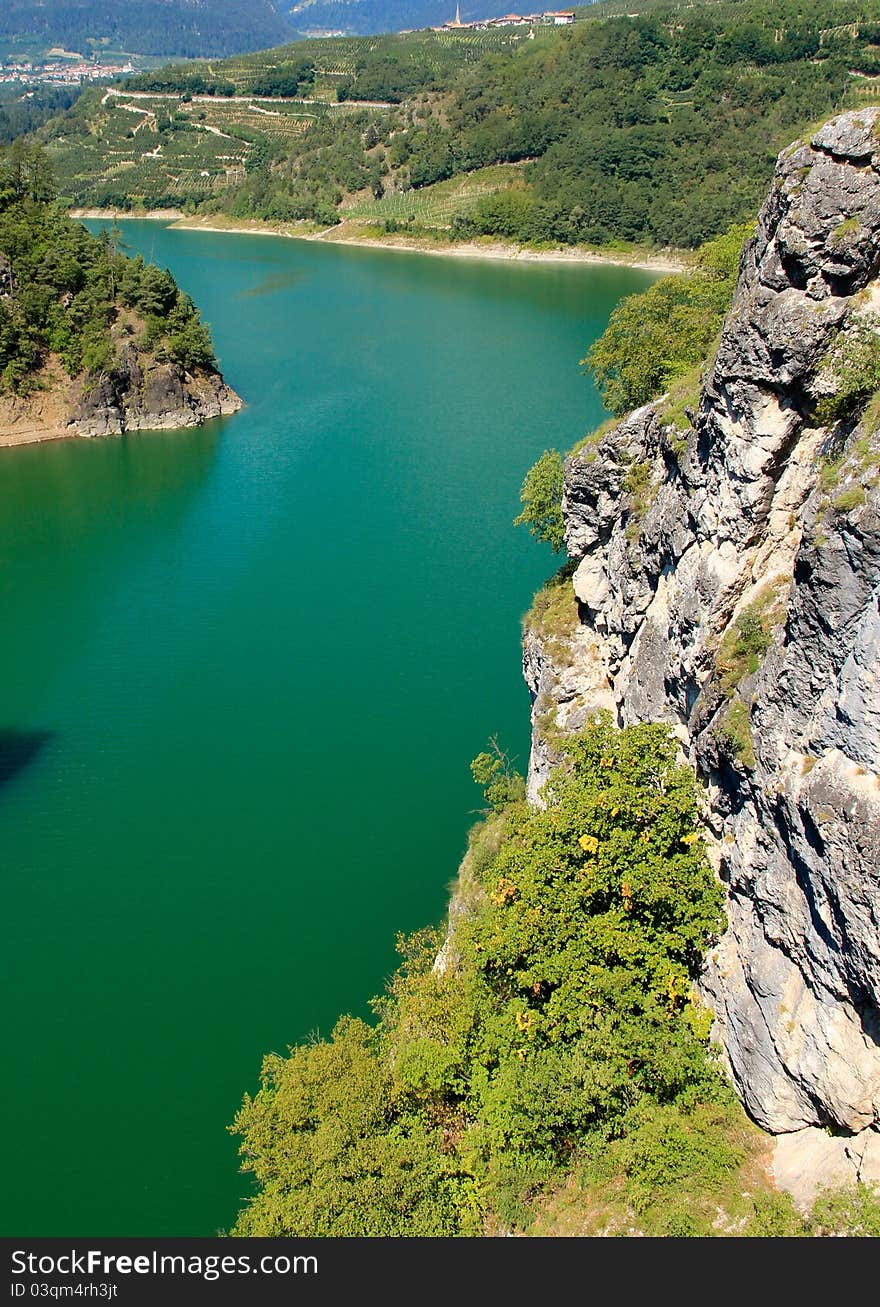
{"points": [[728, 581]]}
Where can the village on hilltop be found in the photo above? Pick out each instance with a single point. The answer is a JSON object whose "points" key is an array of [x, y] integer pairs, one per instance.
{"points": [[550, 17]]}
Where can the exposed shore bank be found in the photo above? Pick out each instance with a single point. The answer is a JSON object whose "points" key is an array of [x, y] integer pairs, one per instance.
{"points": [[350, 233]]}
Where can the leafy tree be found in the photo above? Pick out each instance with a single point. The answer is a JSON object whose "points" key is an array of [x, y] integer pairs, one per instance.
{"points": [[657, 336], [494, 772], [336, 1150], [541, 498]]}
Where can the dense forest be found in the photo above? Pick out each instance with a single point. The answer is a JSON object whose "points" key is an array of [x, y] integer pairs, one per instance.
{"points": [[24, 110], [185, 28], [75, 297], [659, 129]]}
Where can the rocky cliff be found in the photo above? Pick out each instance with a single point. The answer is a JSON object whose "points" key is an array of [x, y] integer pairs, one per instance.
{"points": [[727, 581]]}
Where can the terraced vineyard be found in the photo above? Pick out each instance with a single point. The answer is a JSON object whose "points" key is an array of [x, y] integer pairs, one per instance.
{"points": [[155, 141], [656, 130], [140, 148], [436, 206], [439, 52]]}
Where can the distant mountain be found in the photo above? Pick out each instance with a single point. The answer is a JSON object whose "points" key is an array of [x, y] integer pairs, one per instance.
{"points": [[363, 17], [180, 28]]}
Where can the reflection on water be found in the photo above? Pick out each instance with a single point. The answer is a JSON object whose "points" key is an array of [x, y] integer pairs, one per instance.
{"points": [[67, 482]]}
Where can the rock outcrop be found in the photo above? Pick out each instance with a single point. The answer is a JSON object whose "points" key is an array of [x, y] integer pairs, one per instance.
{"points": [[141, 394], [728, 582]]}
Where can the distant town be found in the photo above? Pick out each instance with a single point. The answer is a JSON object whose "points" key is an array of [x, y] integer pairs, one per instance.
{"points": [[61, 67]]}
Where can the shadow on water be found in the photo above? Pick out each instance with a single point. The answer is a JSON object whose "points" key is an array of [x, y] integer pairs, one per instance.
{"points": [[277, 281], [18, 749]]}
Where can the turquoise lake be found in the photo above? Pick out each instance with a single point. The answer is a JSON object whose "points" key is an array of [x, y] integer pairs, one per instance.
{"points": [[244, 669]]}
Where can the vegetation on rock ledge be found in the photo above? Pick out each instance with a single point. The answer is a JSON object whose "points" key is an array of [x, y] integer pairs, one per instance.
{"points": [[654, 338], [564, 1021]]}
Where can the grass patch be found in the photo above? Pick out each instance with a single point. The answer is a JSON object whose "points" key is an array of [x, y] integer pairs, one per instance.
{"points": [[846, 231], [699, 1173], [554, 616], [850, 500], [683, 394], [592, 438], [734, 728], [641, 488], [853, 364], [748, 638], [847, 474]]}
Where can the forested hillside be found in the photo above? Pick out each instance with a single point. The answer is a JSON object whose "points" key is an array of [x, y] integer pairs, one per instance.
{"points": [[660, 129], [183, 28], [24, 109]]}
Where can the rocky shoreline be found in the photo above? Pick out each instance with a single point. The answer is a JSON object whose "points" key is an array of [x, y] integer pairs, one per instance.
{"points": [[140, 394]]}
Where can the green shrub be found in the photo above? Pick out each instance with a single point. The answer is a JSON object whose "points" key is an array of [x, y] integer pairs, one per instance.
{"points": [[847, 1213], [854, 363], [747, 640], [734, 727]]}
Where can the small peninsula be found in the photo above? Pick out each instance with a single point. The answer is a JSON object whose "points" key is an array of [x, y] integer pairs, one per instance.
{"points": [[92, 343]]}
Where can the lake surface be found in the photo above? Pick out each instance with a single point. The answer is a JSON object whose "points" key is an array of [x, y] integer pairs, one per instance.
{"points": [[242, 673]]}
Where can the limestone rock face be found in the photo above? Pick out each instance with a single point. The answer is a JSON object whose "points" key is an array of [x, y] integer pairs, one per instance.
{"points": [[732, 589]]}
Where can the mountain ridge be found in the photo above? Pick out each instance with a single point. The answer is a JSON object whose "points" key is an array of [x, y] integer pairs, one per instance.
{"points": [[170, 28]]}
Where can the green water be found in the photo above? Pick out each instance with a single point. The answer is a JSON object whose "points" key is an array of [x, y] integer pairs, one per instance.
{"points": [[242, 672]]}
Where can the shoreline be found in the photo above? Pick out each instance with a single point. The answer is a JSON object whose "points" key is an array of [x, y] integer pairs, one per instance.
{"points": [[12, 439], [496, 250]]}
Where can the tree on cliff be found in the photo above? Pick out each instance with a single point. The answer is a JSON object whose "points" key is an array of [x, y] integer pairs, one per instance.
{"points": [[565, 1022], [541, 498], [655, 337]]}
